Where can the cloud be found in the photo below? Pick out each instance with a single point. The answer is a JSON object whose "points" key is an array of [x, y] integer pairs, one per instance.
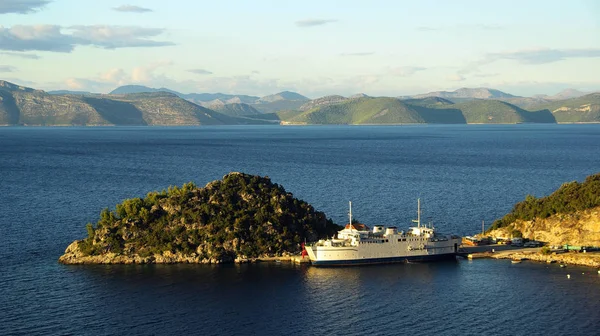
{"points": [[152, 76], [357, 54], [541, 56], [7, 68], [485, 75], [405, 71], [132, 9], [22, 6], [145, 73], [427, 29], [19, 54], [108, 80], [115, 75], [456, 78], [111, 37], [530, 56], [313, 22], [200, 71], [52, 38], [77, 83], [461, 28], [530, 88]]}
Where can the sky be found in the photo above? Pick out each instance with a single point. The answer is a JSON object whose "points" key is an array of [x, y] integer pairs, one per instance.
{"points": [[316, 48]]}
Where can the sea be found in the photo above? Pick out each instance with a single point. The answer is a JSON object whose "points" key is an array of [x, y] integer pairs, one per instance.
{"points": [[54, 180]]}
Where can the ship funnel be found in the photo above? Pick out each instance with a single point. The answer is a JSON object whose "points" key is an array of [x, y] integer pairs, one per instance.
{"points": [[391, 231]]}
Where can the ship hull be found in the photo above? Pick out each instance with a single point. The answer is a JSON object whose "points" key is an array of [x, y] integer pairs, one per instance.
{"points": [[388, 260]]}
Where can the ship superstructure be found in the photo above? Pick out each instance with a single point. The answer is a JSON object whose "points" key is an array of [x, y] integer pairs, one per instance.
{"points": [[356, 244]]}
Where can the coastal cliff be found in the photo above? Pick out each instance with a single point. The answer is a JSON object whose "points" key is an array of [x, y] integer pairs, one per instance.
{"points": [[581, 228], [570, 215], [239, 218]]}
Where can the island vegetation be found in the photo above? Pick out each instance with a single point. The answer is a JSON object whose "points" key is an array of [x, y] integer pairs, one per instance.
{"points": [[238, 218], [143, 106], [570, 198], [568, 216]]}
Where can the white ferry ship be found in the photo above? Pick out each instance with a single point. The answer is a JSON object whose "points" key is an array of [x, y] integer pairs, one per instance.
{"points": [[356, 244]]}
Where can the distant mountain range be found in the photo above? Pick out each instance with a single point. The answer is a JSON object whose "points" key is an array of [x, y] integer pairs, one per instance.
{"points": [[433, 110], [466, 93], [271, 103], [141, 105], [25, 106]]}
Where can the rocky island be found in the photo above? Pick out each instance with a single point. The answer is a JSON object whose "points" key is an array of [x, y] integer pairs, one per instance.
{"points": [[570, 216], [237, 219]]}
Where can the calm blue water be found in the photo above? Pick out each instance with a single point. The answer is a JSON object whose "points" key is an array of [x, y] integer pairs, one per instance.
{"points": [[54, 180]]}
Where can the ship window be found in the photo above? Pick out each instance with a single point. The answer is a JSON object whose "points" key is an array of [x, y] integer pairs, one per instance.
{"points": [[399, 239], [386, 240]]}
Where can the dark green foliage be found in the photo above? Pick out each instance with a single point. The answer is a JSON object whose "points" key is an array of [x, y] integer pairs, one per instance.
{"points": [[362, 111], [431, 110], [90, 230], [117, 112], [9, 112], [242, 215], [569, 198], [235, 109], [582, 109], [516, 234], [485, 111]]}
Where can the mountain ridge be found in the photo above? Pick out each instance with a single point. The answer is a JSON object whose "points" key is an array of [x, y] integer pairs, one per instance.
{"points": [[28, 107], [20, 105], [467, 93]]}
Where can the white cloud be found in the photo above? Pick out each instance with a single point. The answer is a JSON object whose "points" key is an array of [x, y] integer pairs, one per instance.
{"points": [[405, 71], [455, 78], [200, 71], [530, 57], [132, 9], [76, 84], [114, 75], [313, 22], [143, 74], [541, 56], [22, 6], [108, 80], [52, 38], [368, 53], [7, 68], [459, 28], [19, 54]]}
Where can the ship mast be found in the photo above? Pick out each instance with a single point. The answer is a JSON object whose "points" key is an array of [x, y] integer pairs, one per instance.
{"points": [[350, 214], [418, 212], [418, 220]]}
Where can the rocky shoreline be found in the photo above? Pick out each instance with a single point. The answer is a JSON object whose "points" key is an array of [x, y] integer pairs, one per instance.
{"points": [[590, 259], [74, 256]]}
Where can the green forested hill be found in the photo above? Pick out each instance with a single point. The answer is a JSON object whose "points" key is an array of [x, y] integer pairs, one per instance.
{"points": [[235, 109], [499, 112], [9, 112], [24, 106], [582, 109], [362, 111], [240, 216], [429, 102], [569, 198], [433, 110]]}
